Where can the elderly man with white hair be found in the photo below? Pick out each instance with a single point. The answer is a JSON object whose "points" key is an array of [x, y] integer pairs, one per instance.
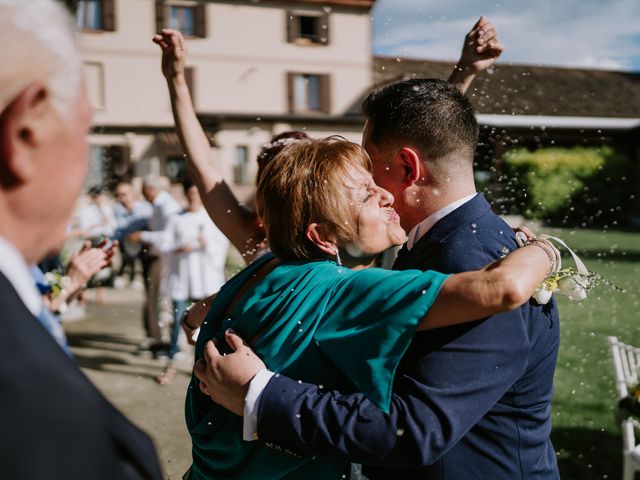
{"points": [[55, 423], [153, 261]]}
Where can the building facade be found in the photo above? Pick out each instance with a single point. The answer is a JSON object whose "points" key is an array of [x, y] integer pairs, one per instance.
{"points": [[259, 67], [256, 68]]}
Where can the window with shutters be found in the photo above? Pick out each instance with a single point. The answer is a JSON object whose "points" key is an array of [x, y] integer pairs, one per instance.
{"points": [[107, 163], [96, 15], [308, 28], [175, 168], [308, 92], [188, 17]]}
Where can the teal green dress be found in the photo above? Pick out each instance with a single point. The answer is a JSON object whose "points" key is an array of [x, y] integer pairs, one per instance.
{"points": [[317, 322]]}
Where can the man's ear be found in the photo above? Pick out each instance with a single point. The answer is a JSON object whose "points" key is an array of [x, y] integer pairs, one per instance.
{"points": [[21, 124], [409, 162], [316, 233]]}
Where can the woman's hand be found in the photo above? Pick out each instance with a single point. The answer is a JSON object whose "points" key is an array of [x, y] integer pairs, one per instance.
{"points": [[528, 233], [481, 47], [194, 316], [85, 263], [480, 50], [174, 52]]}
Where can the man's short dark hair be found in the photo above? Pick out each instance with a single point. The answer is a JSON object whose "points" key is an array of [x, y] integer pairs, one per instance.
{"points": [[430, 114]]}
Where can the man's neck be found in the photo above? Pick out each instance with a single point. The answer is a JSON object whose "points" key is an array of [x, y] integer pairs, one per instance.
{"points": [[428, 200], [14, 267], [14, 233], [417, 232]]}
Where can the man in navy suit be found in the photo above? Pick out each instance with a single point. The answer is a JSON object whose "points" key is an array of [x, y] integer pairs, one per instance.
{"points": [[470, 401], [55, 423]]}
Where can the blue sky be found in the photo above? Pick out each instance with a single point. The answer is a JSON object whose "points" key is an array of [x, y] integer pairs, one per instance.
{"points": [[572, 33]]}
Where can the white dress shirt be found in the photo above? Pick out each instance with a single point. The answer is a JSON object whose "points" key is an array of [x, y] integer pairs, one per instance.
{"points": [[96, 219], [424, 226], [15, 268], [199, 273], [164, 206], [259, 382]]}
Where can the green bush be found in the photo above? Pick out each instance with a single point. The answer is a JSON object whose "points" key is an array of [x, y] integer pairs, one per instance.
{"points": [[575, 186]]}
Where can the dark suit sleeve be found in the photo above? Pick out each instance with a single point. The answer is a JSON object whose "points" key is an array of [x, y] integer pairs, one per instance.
{"points": [[61, 430], [429, 413]]}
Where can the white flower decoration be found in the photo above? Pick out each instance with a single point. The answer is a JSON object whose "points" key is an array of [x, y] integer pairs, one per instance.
{"points": [[574, 283]]}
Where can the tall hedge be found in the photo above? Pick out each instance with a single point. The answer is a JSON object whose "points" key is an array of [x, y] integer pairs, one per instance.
{"points": [[574, 186]]}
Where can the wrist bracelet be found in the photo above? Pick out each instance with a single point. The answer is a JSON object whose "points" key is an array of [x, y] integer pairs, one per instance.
{"points": [[552, 252], [551, 256]]}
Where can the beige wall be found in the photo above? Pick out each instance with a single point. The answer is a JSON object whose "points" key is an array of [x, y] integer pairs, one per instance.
{"points": [[240, 67]]}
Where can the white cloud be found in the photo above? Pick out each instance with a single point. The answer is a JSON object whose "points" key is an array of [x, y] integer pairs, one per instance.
{"points": [[577, 33], [598, 63]]}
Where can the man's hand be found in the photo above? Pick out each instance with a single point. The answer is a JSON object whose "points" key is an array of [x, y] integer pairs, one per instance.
{"points": [[134, 237], [174, 52], [480, 50], [226, 378], [184, 249]]}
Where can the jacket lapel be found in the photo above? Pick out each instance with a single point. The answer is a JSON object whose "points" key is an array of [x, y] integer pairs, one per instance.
{"points": [[467, 213]]}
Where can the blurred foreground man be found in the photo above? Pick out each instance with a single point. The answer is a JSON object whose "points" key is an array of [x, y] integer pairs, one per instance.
{"points": [[55, 423]]}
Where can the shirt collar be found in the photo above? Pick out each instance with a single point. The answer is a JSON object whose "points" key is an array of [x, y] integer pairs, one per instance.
{"points": [[423, 227], [14, 267]]}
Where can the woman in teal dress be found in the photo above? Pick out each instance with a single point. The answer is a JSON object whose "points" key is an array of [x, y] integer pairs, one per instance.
{"points": [[309, 317]]}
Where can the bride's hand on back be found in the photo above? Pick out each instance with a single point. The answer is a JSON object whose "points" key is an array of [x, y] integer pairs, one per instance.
{"points": [[174, 52]]}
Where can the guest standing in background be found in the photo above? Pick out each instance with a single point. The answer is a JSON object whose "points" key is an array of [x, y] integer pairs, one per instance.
{"points": [[164, 206], [131, 215], [95, 218], [195, 251]]}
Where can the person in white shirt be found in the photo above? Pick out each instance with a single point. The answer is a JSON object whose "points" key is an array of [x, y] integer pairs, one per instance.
{"points": [[96, 218], [164, 206], [131, 215], [196, 251], [94, 221]]}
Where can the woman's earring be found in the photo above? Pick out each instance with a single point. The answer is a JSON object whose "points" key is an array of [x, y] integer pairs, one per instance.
{"points": [[338, 261]]}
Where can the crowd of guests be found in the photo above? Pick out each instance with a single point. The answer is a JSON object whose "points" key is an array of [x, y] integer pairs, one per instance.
{"points": [[412, 372], [169, 245]]}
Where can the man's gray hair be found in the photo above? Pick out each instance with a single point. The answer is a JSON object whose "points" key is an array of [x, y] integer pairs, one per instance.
{"points": [[38, 45], [153, 181]]}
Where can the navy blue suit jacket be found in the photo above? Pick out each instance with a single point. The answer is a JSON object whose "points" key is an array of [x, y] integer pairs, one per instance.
{"points": [[55, 424], [470, 402]]}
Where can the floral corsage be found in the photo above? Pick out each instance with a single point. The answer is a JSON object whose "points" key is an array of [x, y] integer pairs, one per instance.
{"points": [[58, 282], [572, 282]]}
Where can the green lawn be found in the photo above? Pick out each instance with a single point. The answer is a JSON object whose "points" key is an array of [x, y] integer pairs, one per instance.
{"points": [[585, 435]]}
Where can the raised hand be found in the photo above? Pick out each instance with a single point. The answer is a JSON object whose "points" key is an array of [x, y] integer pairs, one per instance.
{"points": [[481, 47], [480, 50], [226, 378], [174, 52], [85, 263]]}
